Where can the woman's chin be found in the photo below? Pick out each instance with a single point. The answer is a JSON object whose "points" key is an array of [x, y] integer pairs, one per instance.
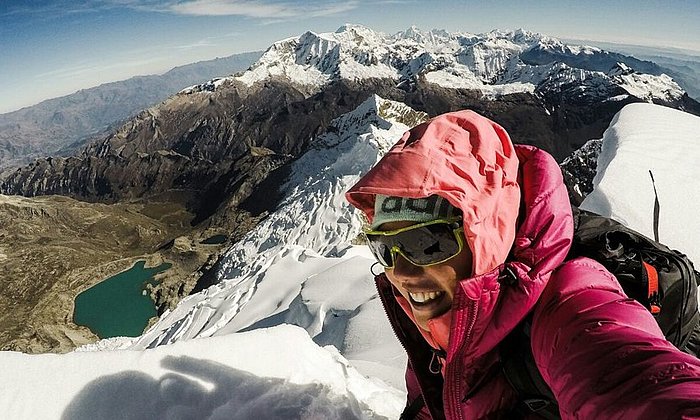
{"points": [[425, 314]]}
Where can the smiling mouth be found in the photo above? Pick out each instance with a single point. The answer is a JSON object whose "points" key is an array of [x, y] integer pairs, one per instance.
{"points": [[425, 297]]}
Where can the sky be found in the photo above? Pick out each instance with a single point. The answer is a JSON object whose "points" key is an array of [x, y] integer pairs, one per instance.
{"points": [[340, 359], [50, 48]]}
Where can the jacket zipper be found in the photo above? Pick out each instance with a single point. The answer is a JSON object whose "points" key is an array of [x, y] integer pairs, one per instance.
{"points": [[436, 361], [455, 400]]}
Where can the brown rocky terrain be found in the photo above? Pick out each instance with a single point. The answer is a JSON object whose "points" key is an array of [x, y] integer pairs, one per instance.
{"points": [[52, 248]]}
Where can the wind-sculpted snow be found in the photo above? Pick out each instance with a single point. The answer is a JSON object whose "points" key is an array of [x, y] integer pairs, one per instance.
{"points": [[242, 376], [309, 235], [495, 63]]}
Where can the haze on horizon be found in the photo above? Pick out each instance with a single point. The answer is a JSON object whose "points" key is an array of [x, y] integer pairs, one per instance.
{"points": [[52, 48]]}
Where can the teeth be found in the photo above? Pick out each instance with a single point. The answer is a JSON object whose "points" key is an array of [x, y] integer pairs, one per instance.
{"points": [[421, 297]]}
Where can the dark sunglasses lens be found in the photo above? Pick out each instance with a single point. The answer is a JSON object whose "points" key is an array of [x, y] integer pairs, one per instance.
{"points": [[381, 249], [422, 246], [429, 244]]}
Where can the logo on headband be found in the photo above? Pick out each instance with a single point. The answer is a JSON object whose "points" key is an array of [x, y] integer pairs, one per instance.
{"points": [[417, 205]]}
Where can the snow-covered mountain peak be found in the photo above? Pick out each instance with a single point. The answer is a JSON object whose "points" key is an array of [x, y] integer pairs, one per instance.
{"points": [[413, 32], [554, 45], [375, 113], [360, 33], [353, 52], [647, 86], [495, 63], [620, 69], [520, 37], [523, 36], [356, 52], [434, 36]]}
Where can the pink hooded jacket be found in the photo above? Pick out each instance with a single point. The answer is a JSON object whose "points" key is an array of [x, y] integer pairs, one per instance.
{"points": [[601, 353]]}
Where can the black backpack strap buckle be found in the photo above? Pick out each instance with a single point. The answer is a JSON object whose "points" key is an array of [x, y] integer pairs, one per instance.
{"points": [[536, 404], [507, 276]]}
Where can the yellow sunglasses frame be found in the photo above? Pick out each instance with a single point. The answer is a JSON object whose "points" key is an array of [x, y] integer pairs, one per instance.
{"points": [[458, 233]]}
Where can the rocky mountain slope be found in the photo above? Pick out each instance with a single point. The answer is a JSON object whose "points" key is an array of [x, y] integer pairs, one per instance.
{"points": [[61, 125]]}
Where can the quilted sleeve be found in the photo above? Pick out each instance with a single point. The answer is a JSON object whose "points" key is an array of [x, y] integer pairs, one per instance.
{"points": [[603, 354]]}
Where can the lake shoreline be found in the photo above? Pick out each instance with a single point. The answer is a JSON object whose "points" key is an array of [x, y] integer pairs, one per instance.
{"points": [[119, 304]]}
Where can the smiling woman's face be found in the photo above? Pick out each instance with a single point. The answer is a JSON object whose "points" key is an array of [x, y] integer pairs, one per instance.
{"points": [[429, 290]]}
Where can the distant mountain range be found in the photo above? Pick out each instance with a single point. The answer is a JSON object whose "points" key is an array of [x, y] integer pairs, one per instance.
{"points": [[215, 137], [682, 65], [59, 126]]}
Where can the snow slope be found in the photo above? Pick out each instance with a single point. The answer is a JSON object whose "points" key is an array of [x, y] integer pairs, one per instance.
{"points": [[299, 267], [242, 376], [665, 141], [310, 235]]}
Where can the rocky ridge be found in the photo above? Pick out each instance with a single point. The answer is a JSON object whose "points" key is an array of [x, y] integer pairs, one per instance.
{"points": [[60, 126]]}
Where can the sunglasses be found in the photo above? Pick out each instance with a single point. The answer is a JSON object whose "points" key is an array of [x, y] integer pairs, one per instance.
{"points": [[423, 244]]}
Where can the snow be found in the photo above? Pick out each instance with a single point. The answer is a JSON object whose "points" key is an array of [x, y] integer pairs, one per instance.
{"points": [[280, 61], [617, 98], [489, 63], [556, 45], [294, 328], [648, 87], [241, 376], [642, 138]]}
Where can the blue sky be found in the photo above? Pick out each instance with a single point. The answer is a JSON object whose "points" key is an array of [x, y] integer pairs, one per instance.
{"points": [[51, 48]]}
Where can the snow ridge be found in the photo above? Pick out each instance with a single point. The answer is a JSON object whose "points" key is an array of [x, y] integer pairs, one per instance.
{"points": [[314, 225], [495, 63], [644, 138]]}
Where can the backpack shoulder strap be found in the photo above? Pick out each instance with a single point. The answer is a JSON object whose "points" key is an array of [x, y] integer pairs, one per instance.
{"points": [[534, 395], [411, 411]]}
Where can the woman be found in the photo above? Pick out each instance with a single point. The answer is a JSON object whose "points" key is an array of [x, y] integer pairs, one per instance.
{"points": [[473, 232]]}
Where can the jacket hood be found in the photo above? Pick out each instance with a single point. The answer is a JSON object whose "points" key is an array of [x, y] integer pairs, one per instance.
{"points": [[465, 158], [514, 202]]}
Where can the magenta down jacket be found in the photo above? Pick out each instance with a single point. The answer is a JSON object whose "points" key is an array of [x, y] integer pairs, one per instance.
{"points": [[601, 353]]}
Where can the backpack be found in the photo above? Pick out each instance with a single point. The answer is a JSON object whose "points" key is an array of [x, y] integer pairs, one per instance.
{"points": [[661, 279]]}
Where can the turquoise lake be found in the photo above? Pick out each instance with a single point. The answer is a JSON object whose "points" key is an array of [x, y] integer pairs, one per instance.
{"points": [[215, 240], [119, 306]]}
